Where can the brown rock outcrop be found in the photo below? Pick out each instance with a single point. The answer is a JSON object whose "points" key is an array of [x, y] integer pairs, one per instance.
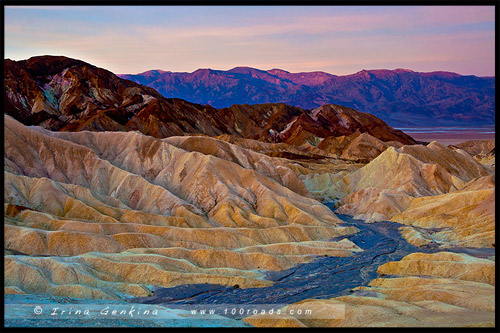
{"points": [[477, 147], [342, 120]]}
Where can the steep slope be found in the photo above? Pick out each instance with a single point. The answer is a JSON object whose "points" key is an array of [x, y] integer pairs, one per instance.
{"points": [[477, 147], [398, 169], [275, 169], [443, 194], [400, 96], [70, 95], [336, 120], [344, 121]]}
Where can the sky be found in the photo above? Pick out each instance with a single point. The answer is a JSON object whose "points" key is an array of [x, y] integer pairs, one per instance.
{"points": [[336, 39]]}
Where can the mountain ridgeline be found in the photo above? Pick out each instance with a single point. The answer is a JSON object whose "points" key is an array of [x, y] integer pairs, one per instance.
{"points": [[63, 94], [400, 97]]}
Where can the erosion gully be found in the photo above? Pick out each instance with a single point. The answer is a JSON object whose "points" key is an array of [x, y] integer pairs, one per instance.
{"points": [[325, 277]]}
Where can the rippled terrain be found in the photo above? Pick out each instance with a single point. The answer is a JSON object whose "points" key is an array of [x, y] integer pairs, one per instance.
{"points": [[325, 277]]}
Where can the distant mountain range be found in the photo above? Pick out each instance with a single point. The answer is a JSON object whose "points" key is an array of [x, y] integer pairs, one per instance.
{"points": [[64, 94], [400, 97]]}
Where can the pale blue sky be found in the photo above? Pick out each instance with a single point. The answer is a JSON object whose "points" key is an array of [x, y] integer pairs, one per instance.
{"points": [[335, 39]]}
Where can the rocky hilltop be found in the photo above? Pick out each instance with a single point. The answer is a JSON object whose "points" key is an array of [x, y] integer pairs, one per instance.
{"points": [[401, 97]]}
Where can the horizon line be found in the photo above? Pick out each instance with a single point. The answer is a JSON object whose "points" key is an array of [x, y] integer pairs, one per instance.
{"points": [[263, 70]]}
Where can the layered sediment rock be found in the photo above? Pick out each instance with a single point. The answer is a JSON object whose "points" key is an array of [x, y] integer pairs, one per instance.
{"points": [[477, 147], [137, 191], [443, 193], [273, 168]]}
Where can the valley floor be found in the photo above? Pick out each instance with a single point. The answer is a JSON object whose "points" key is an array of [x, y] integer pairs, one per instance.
{"points": [[450, 135]]}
